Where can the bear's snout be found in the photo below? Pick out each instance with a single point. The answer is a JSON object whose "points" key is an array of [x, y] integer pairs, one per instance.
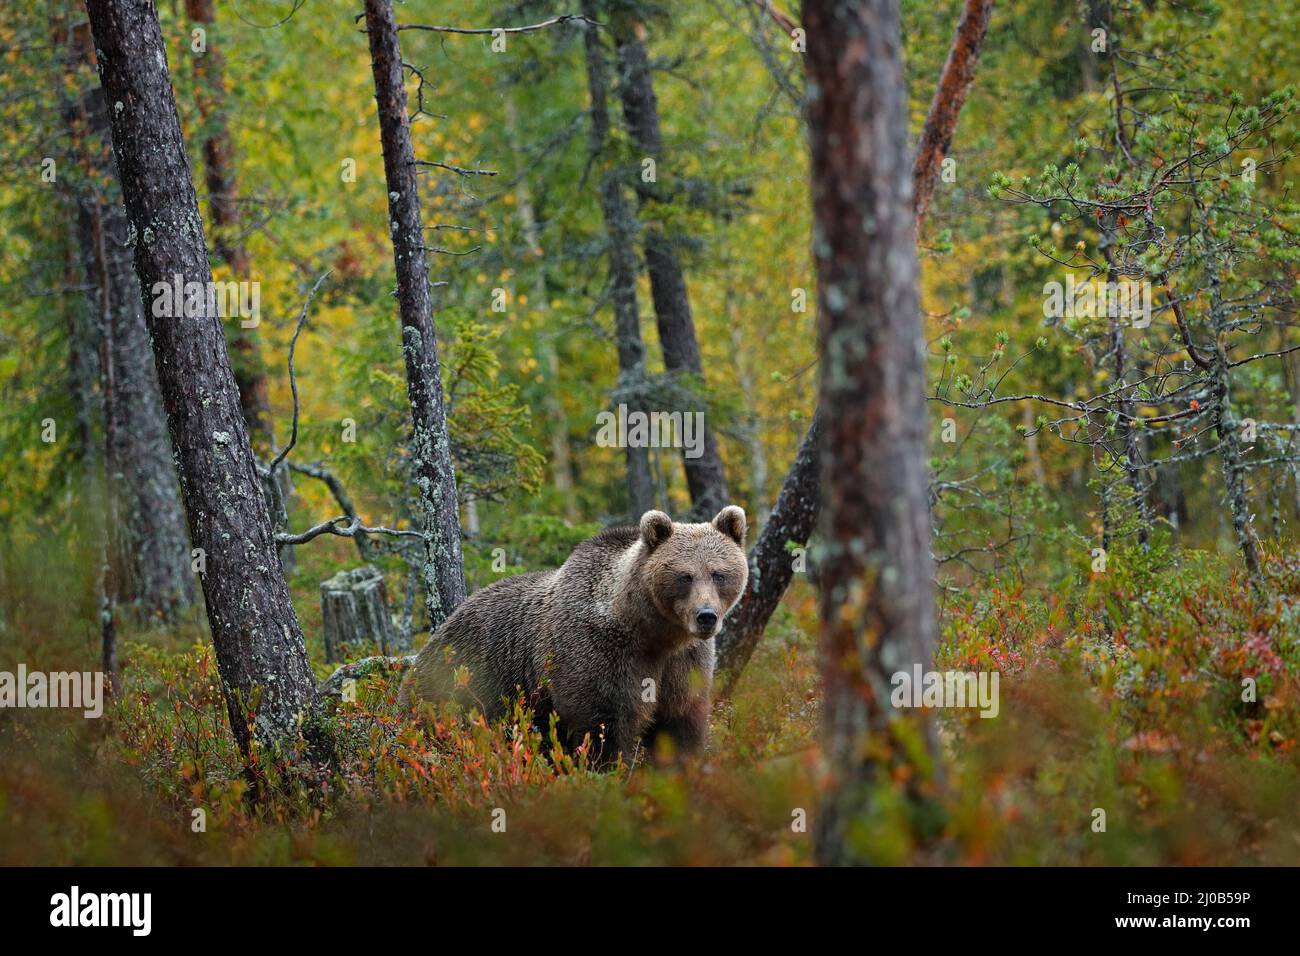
{"points": [[706, 619]]}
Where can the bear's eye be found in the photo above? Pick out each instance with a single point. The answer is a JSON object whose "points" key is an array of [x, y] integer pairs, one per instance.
{"points": [[719, 578], [684, 580]]}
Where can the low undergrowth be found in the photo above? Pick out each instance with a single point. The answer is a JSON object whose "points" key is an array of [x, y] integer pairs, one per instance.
{"points": [[1146, 715]]}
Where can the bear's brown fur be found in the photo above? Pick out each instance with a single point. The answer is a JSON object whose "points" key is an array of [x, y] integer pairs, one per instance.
{"points": [[630, 606]]}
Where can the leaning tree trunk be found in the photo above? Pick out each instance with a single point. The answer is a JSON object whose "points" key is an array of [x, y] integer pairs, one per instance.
{"points": [[945, 107], [620, 230], [227, 241], [435, 477], [228, 246], [150, 551], [677, 338], [877, 603], [266, 678], [770, 561]]}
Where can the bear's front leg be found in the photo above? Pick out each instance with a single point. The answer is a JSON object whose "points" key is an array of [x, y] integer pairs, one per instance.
{"points": [[682, 707], [619, 737]]}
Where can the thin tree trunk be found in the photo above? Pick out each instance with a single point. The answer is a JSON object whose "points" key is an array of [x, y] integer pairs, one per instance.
{"points": [[1226, 425], [1031, 446], [771, 564], [1133, 467], [753, 439], [945, 107], [557, 430], [1291, 372], [769, 560], [266, 678], [227, 241], [620, 228], [150, 550], [877, 602], [677, 338], [444, 567], [112, 551]]}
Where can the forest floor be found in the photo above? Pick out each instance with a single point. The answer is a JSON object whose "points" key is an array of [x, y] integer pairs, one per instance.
{"points": [[1120, 693]]}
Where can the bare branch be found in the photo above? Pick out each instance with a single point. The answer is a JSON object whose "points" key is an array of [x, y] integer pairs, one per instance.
{"points": [[493, 31], [336, 526], [293, 379]]}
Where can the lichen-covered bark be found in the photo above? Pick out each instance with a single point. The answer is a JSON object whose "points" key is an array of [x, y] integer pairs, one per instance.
{"points": [[223, 206], [1227, 427], [621, 229], [877, 602], [673, 318], [259, 645], [945, 107], [150, 552], [1134, 469], [435, 477]]}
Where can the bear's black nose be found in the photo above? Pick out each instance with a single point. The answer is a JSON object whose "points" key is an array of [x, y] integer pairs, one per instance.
{"points": [[705, 620]]}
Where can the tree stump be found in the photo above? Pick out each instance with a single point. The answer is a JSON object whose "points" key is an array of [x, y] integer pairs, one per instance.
{"points": [[354, 610]]}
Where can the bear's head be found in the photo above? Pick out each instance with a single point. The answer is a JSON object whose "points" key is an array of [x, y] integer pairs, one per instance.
{"points": [[695, 573]]}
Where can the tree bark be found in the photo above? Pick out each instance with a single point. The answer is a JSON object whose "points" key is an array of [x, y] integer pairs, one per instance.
{"points": [[1226, 425], [227, 241], [1134, 469], [354, 611], [945, 107], [877, 603], [620, 228], [149, 552], [771, 565], [1291, 373], [435, 476], [744, 626], [677, 338], [266, 678]]}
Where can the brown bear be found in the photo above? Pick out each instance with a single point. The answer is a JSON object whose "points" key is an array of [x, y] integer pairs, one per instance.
{"points": [[617, 641]]}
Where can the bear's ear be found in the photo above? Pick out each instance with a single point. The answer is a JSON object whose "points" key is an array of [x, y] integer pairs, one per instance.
{"points": [[731, 522], [655, 528]]}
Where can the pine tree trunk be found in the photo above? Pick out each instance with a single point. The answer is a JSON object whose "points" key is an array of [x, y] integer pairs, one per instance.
{"points": [[150, 554], [877, 602], [1291, 372], [941, 122], [677, 338], [620, 228], [1133, 467], [771, 564], [769, 561], [260, 651], [444, 569], [223, 205]]}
